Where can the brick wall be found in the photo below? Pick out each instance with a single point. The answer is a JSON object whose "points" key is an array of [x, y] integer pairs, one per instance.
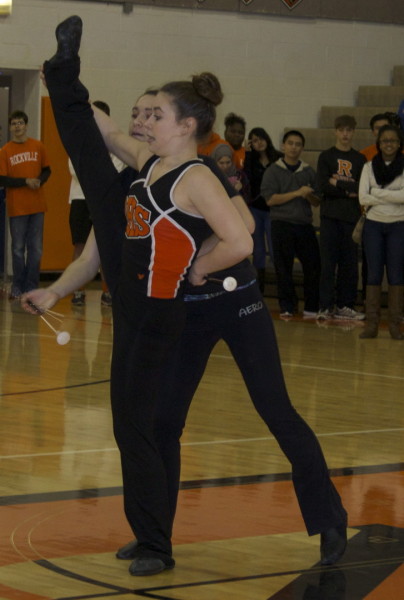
{"points": [[277, 71]]}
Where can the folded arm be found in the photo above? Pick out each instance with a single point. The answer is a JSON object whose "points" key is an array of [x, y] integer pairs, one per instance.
{"points": [[234, 242]]}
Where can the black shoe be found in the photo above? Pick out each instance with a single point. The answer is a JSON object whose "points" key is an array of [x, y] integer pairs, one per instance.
{"points": [[333, 545], [68, 35], [149, 566], [127, 552]]}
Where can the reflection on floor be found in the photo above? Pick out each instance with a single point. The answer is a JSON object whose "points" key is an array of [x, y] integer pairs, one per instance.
{"points": [[238, 532]]}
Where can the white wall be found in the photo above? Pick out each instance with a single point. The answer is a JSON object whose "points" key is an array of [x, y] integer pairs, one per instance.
{"points": [[276, 72]]}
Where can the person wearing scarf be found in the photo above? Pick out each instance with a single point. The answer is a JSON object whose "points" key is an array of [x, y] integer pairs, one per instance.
{"points": [[381, 193], [223, 156]]}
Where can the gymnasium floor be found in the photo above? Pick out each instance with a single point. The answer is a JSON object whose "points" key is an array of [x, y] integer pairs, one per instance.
{"points": [[238, 532]]}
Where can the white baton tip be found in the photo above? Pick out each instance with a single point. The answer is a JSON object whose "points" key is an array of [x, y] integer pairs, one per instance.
{"points": [[63, 337], [229, 284]]}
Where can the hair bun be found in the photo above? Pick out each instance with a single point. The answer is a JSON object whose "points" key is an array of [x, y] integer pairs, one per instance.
{"points": [[208, 87]]}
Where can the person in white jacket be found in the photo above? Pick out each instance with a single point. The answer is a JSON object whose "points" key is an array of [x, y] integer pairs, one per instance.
{"points": [[381, 192]]}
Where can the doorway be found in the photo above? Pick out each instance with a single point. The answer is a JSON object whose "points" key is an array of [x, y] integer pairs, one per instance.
{"points": [[19, 89]]}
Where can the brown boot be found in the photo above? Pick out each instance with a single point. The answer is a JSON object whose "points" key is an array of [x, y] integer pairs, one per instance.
{"points": [[395, 305], [373, 295]]}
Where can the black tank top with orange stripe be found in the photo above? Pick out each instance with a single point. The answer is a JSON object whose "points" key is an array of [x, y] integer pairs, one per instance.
{"points": [[161, 240]]}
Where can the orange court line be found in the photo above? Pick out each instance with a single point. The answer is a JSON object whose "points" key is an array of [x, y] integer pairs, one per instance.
{"points": [[391, 588], [95, 525], [13, 594]]}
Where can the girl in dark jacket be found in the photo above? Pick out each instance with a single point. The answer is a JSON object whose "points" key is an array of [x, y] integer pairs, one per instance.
{"points": [[260, 154]]}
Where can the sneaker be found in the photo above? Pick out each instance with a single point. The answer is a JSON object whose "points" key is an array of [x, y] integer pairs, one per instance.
{"points": [[79, 299], [285, 314], [324, 315], [14, 294], [349, 313], [106, 299], [309, 314]]}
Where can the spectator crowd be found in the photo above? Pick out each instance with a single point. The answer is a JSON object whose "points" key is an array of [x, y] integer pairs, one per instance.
{"points": [[280, 189]]}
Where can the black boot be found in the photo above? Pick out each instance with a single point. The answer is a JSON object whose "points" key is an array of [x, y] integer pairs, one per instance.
{"points": [[68, 35], [333, 544], [373, 298]]}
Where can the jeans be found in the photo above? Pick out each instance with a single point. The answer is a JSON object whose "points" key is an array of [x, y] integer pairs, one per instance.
{"points": [[26, 247], [290, 240], [339, 264], [262, 234], [384, 246]]}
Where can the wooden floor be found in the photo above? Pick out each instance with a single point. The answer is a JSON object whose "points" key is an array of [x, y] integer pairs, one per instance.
{"points": [[238, 533]]}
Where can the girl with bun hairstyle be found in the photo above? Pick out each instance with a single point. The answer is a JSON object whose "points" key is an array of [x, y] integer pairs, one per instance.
{"points": [[211, 314], [180, 224]]}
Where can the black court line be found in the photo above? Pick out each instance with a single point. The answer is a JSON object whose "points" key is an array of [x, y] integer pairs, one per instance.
{"points": [[270, 478], [60, 496], [192, 484], [373, 554], [54, 389], [115, 589], [152, 591]]}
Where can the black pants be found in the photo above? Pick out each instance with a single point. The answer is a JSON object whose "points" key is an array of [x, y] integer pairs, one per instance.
{"points": [[339, 264], [290, 240], [144, 335], [243, 321], [144, 329], [99, 180]]}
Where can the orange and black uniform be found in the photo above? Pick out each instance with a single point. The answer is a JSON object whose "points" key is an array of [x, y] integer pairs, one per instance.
{"points": [[161, 240], [145, 278], [151, 359], [149, 316]]}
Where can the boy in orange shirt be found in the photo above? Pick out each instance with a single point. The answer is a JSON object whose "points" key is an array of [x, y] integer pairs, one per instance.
{"points": [[376, 122], [24, 168]]}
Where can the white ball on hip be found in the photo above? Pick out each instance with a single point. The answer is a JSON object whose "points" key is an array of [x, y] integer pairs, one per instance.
{"points": [[63, 337], [229, 284]]}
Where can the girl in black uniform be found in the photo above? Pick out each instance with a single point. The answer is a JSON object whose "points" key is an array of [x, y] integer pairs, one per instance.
{"points": [[243, 321], [171, 211]]}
